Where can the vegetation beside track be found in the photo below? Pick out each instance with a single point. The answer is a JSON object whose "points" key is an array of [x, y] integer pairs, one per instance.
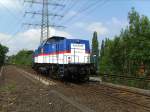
{"points": [[138, 82], [3, 51], [23, 57], [128, 54]]}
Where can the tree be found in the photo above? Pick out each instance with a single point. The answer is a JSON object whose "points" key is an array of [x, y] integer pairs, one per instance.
{"points": [[3, 51], [105, 60], [102, 48], [23, 57], [128, 52], [95, 49]]}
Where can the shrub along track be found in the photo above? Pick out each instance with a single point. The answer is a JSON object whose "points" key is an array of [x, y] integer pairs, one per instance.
{"points": [[102, 97]]}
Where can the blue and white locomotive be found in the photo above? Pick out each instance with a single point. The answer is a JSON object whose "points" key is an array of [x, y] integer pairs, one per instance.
{"points": [[64, 58]]}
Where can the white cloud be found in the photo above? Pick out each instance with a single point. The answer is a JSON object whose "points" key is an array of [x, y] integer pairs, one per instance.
{"points": [[59, 33], [110, 28], [115, 22], [30, 39], [9, 3], [4, 37], [26, 40], [99, 27]]}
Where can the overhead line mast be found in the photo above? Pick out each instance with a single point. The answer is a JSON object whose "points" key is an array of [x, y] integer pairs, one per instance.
{"points": [[45, 33]]}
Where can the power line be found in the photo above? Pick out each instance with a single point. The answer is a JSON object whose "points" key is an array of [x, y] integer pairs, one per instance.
{"points": [[12, 37], [15, 32], [84, 7], [19, 21], [74, 3], [81, 10], [91, 10], [14, 15]]}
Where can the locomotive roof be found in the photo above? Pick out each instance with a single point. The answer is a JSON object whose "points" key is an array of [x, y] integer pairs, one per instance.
{"points": [[52, 39], [55, 38]]}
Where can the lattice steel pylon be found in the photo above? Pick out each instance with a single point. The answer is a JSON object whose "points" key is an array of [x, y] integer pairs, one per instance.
{"points": [[45, 25], [45, 22]]}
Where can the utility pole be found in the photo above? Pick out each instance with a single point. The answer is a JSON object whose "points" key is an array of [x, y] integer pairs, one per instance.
{"points": [[45, 23]]}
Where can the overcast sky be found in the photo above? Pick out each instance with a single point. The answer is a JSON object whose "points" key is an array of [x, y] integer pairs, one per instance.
{"points": [[81, 18]]}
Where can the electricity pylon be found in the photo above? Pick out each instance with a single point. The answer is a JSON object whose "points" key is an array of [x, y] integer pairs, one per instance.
{"points": [[45, 23]]}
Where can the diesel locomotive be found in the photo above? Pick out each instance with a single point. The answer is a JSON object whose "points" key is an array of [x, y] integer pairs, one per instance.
{"points": [[64, 58]]}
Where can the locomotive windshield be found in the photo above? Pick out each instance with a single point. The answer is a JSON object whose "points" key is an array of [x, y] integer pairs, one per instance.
{"points": [[43, 43], [54, 39]]}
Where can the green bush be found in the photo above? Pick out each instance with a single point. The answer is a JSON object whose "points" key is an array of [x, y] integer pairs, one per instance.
{"points": [[3, 51], [23, 57]]}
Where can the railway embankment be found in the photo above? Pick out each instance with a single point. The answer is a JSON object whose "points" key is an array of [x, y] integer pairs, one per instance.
{"points": [[23, 91]]}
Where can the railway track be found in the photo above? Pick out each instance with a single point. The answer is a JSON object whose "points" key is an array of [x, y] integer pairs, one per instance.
{"points": [[121, 95], [137, 91], [117, 95], [107, 91]]}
